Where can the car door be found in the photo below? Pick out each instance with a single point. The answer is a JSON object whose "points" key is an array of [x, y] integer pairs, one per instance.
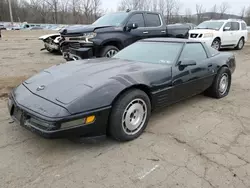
{"points": [[194, 79], [138, 33], [236, 33], [154, 25], [227, 35]]}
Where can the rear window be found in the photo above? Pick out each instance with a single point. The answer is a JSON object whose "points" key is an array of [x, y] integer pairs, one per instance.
{"points": [[152, 20], [213, 51], [243, 26], [235, 26]]}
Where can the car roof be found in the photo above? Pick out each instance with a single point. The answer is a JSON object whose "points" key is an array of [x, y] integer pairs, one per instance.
{"points": [[165, 39], [225, 20]]}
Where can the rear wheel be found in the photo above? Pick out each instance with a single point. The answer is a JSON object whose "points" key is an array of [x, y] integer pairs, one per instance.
{"points": [[240, 44], [221, 85], [109, 51], [216, 44], [130, 115]]}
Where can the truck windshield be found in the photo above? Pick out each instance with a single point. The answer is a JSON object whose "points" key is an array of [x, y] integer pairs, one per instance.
{"points": [[210, 25], [151, 52], [112, 19]]}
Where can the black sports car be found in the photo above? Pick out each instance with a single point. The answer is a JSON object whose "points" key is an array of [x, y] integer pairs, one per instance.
{"points": [[116, 95]]}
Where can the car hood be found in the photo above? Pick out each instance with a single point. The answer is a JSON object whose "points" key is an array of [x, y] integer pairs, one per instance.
{"points": [[49, 35], [64, 83], [75, 30], [203, 31]]}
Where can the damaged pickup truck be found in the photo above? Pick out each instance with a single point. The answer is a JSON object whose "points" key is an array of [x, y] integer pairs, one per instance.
{"points": [[115, 31]]}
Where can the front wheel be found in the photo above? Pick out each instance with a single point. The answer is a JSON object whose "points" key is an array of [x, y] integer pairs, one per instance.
{"points": [[216, 44], [130, 115], [109, 51], [221, 85]]}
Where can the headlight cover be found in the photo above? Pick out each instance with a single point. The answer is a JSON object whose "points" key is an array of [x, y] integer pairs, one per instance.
{"points": [[84, 38], [208, 35], [78, 122], [89, 35]]}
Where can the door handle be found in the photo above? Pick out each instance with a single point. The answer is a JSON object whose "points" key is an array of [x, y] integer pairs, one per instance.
{"points": [[163, 31], [210, 65], [145, 32]]}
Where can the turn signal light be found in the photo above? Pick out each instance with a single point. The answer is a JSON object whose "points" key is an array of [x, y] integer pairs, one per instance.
{"points": [[89, 119]]}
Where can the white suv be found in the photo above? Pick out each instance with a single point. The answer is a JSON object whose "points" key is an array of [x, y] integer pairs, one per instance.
{"points": [[221, 33]]}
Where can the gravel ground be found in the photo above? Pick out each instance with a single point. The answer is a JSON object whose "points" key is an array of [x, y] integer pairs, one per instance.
{"points": [[200, 142]]}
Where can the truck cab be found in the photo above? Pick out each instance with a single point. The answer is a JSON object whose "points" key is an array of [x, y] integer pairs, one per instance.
{"points": [[111, 33]]}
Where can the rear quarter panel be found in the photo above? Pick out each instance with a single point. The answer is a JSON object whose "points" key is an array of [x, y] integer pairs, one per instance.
{"points": [[225, 59]]}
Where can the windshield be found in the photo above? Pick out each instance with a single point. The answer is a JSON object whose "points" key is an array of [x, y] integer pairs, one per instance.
{"points": [[210, 25], [112, 19], [151, 52]]}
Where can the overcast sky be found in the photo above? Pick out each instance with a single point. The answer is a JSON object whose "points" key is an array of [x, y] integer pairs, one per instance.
{"points": [[236, 5]]}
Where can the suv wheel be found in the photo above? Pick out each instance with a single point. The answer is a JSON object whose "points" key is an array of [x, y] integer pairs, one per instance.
{"points": [[240, 44], [216, 44], [109, 51]]}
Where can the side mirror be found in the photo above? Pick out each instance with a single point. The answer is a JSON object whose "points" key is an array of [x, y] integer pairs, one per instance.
{"points": [[132, 26], [226, 29], [187, 62]]}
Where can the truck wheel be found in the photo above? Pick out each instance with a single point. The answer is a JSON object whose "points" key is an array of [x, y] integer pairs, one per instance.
{"points": [[221, 84], [109, 51], [129, 116], [216, 44], [240, 44]]}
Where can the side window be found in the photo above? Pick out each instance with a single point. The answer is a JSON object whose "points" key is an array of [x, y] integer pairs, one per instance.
{"points": [[152, 20], [138, 19], [193, 51], [243, 26], [228, 25], [235, 26]]}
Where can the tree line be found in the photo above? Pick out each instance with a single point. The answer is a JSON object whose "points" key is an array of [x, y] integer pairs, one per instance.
{"points": [[87, 11], [51, 11]]}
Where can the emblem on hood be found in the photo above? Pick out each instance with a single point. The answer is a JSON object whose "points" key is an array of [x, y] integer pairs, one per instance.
{"points": [[42, 87]]}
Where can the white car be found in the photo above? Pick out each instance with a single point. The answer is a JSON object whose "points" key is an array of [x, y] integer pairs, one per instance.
{"points": [[221, 33]]}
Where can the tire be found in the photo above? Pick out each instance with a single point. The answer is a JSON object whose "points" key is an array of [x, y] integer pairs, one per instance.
{"points": [[109, 51], [216, 44], [240, 44], [217, 90], [123, 110]]}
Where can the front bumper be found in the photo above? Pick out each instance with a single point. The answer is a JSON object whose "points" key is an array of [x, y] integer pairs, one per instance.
{"points": [[52, 46], [80, 53], [50, 127]]}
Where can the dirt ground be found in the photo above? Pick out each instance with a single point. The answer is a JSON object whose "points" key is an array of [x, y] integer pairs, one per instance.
{"points": [[198, 143]]}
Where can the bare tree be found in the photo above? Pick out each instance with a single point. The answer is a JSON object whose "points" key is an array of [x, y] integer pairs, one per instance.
{"points": [[54, 4], [162, 6], [248, 15], [170, 6], [154, 5], [188, 15], [199, 12], [224, 8], [87, 9], [64, 6], [242, 12], [131, 4], [96, 8], [214, 11]]}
